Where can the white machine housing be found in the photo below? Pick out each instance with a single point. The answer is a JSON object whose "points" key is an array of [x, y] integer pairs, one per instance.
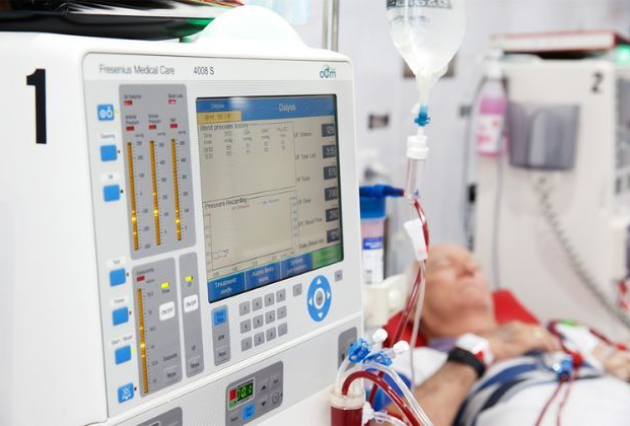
{"points": [[591, 201], [67, 236]]}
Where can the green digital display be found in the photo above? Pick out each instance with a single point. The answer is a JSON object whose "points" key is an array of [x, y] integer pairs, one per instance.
{"points": [[244, 392], [241, 393]]}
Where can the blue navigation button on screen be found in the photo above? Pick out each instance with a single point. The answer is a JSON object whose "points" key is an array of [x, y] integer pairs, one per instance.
{"points": [[123, 354], [109, 153], [226, 287], [117, 277], [125, 393], [111, 193]]}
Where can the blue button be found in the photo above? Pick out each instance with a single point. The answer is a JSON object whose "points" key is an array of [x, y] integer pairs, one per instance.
{"points": [[120, 316], [319, 298], [117, 277], [111, 193], [219, 316], [105, 112], [109, 153], [226, 287], [249, 411], [125, 393], [123, 354]]}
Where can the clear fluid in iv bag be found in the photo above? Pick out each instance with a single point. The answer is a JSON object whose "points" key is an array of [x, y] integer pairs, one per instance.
{"points": [[427, 33]]}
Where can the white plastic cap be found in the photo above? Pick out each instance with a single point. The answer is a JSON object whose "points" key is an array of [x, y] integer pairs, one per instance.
{"points": [[379, 336], [417, 147], [401, 347], [353, 401], [494, 70]]}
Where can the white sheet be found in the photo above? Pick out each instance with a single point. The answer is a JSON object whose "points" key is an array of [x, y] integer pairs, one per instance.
{"points": [[594, 402]]}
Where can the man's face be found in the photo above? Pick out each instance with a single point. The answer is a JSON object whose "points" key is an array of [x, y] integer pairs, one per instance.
{"points": [[455, 285]]}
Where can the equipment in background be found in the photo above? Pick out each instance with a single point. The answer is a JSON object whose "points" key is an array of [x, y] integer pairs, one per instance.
{"points": [[492, 105], [554, 214], [566, 44], [373, 219], [383, 298], [174, 246]]}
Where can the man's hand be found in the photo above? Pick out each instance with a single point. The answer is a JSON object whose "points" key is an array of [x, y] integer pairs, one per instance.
{"points": [[516, 339], [615, 362]]}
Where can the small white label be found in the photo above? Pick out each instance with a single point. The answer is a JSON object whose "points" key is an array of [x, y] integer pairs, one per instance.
{"points": [[110, 177], [107, 137], [373, 266], [489, 138], [167, 311], [119, 301], [114, 263], [191, 303]]}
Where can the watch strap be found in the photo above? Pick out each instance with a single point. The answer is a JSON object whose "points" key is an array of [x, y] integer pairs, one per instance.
{"points": [[462, 356]]}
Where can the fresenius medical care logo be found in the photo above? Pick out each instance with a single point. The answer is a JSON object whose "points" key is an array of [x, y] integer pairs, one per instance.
{"points": [[328, 72]]}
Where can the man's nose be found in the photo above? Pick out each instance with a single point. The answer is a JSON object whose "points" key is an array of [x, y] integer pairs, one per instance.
{"points": [[470, 268]]}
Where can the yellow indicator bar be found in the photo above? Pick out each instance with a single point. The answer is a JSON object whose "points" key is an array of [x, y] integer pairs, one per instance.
{"points": [[156, 205], [143, 344], [132, 189], [219, 117], [178, 214], [189, 278], [165, 286]]}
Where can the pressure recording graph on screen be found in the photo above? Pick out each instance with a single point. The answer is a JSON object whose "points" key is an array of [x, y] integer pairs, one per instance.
{"points": [[270, 187]]}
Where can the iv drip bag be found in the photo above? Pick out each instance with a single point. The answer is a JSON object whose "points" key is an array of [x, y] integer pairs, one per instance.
{"points": [[428, 34]]}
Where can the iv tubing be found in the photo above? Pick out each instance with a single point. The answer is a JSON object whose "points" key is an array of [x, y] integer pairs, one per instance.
{"points": [[403, 320], [380, 382], [415, 292], [416, 324], [341, 373], [385, 370], [411, 400], [554, 395], [383, 417]]}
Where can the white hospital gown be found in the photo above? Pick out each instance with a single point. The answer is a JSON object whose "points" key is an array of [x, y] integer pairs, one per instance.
{"points": [[597, 399]]}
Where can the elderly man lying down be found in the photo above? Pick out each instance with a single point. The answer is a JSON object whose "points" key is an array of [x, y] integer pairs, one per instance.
{"points": [[477, 372]]}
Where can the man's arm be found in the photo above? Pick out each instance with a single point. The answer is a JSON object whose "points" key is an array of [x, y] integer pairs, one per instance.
{"points": [[442, 395]]}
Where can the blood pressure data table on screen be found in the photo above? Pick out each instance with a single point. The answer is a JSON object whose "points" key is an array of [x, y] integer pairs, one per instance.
{"points": [[270, 189]]}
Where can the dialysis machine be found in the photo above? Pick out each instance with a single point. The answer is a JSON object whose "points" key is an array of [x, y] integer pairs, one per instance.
{"points": [[553, 210], [179, 238]]}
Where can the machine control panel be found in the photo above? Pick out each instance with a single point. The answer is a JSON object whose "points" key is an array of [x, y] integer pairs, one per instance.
{"points": [[218, 220], [255, 395]]}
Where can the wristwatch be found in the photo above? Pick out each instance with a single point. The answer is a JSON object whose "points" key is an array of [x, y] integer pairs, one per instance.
{"points": [[474, 351]]}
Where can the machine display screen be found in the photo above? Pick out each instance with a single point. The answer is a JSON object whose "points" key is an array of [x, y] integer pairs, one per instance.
{"points": [[270, 188], [241, 393]]}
